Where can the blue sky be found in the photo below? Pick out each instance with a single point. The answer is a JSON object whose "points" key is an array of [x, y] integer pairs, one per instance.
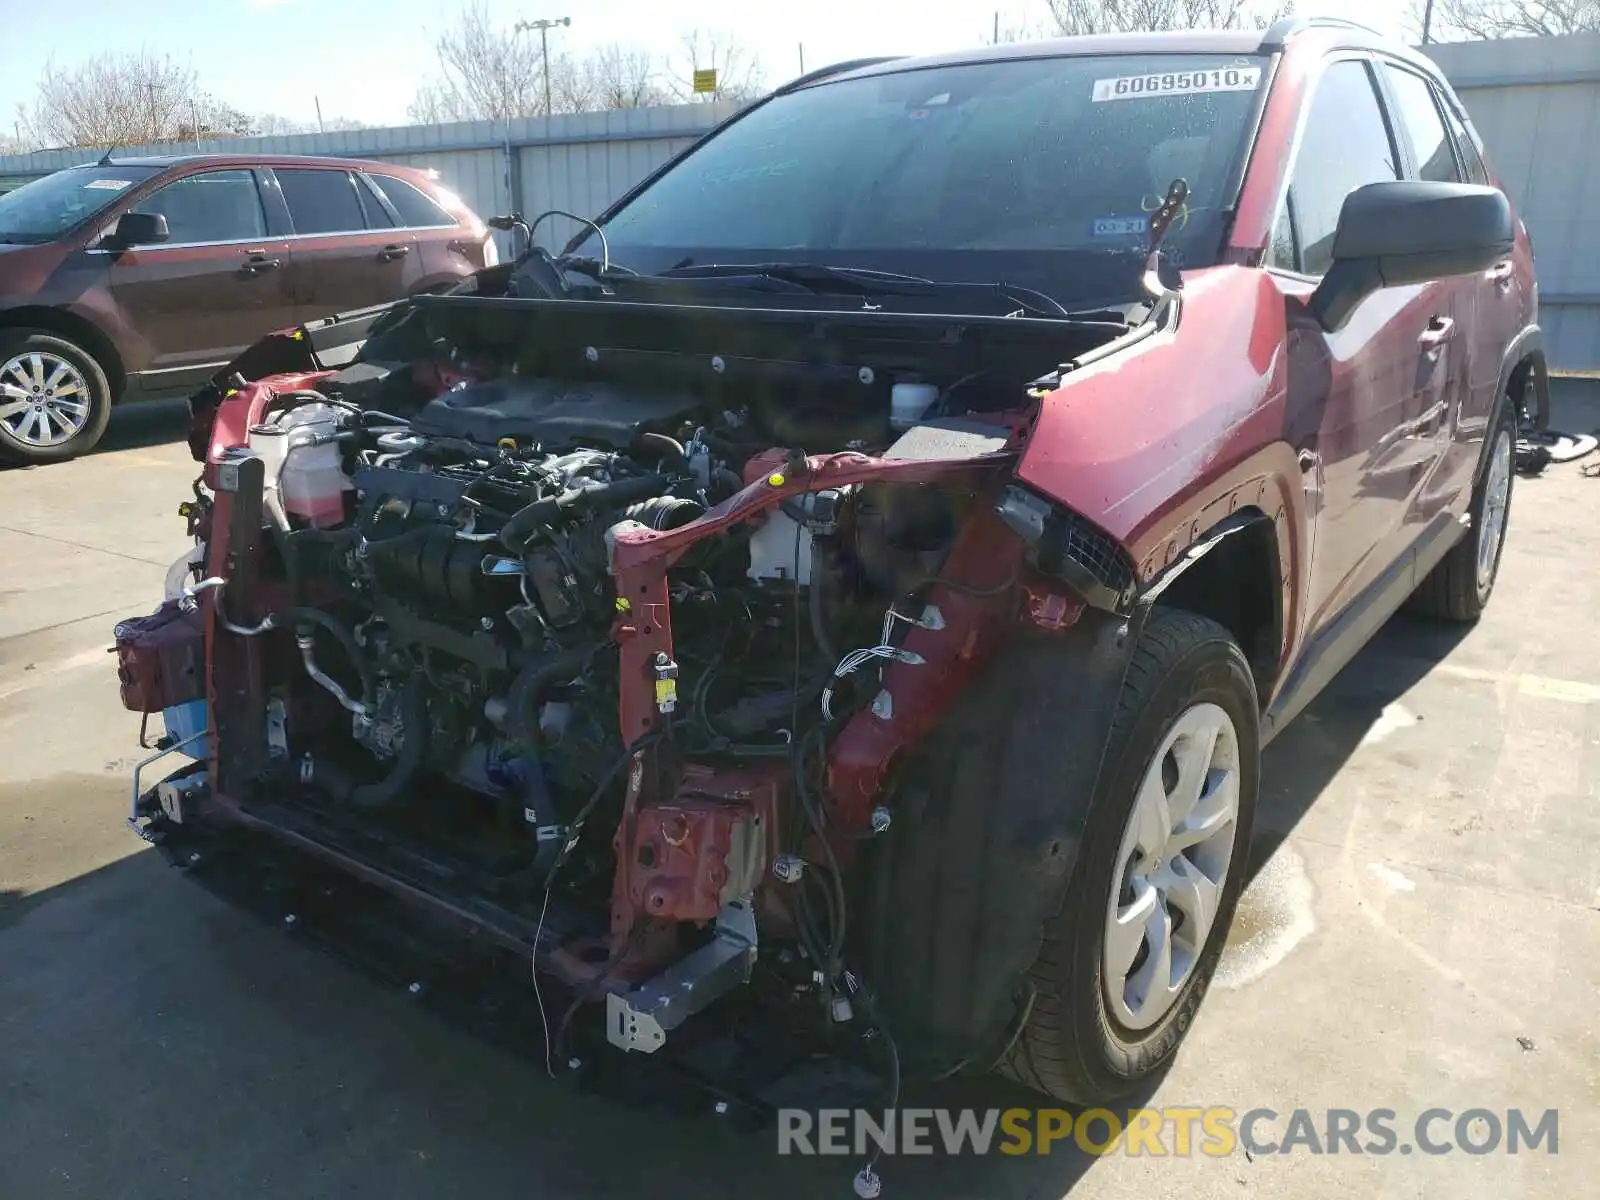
{"points": [[362, 57]]}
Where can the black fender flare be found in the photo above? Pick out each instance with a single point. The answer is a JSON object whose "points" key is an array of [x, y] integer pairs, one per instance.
{"points": [[1528, 344]]}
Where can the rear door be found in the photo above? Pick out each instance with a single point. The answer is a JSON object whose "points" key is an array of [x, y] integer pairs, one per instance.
{"points": [[449, 250], [1460, 401], [348, 254], [215, 286]]}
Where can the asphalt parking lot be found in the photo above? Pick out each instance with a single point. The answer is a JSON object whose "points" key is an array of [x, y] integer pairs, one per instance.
{"points": [[1423, 929]]}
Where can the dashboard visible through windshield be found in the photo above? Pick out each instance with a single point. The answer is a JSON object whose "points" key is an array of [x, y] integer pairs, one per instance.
{"points": [[1039, 171]]}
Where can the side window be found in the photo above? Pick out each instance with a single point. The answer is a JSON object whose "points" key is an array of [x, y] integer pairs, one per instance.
{"points": [[321, 201], [1346, 145], [1476, 171], [216, 206], [415, 209], [1419, 117], [371, 207]]}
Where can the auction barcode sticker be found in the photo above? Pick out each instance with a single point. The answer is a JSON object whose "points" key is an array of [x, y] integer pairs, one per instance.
{"points": [[1177, 83]]}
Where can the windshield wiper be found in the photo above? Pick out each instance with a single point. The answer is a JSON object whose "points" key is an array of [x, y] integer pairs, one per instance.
{"points": [[798, 272], [865, 281]]}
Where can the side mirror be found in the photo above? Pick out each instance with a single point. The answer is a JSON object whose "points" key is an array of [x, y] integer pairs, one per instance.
{"points": [[138, 229], [1410, 231]]}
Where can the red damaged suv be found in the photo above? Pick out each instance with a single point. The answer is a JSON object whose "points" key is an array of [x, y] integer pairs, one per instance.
{"points": [[140, 277], [834, 609]]}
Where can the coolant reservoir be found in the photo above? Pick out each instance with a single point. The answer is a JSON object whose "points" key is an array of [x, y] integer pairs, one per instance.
{"points": [[909, 402], [311, 480]]}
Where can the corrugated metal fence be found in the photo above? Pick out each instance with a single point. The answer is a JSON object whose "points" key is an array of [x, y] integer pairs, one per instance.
{"points": [[1535, 100], [580, 163]]}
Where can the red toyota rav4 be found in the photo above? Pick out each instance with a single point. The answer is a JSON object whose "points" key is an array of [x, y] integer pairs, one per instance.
{"points": [[835, 607], [141, 276]]}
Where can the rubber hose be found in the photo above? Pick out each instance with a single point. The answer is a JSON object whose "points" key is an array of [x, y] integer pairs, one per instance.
{"points": [[522, 718], [346, 639], [413, 751], [819, 629], [515, 532], [669, 446]]}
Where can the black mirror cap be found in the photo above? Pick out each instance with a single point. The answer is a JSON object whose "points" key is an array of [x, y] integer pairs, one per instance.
{"points": [[1408, 232], [139, 229]]}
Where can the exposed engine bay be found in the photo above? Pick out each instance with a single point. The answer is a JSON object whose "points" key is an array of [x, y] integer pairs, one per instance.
{"points": [[612, 650]]}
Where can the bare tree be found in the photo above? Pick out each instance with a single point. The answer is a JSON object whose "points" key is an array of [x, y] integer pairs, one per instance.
{"points": [[625, 78], [1074, 17], [113, 100], [739, 73], [1454, 20], [486, 72]]}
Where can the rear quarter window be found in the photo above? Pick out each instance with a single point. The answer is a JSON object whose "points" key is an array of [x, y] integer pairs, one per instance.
{"points": [[416, 210]]}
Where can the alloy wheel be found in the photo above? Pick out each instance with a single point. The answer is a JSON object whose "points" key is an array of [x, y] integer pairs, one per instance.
{"points": [[1496, 500], [1172, 866], [44, 399]]}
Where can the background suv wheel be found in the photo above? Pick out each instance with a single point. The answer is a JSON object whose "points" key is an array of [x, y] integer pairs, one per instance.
{"points": [[54, 398]]}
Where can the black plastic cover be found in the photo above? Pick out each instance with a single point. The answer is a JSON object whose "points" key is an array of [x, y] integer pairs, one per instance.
{"points": [[551, 412]]}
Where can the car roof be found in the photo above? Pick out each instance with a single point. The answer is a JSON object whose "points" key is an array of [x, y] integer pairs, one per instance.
{"points": [[1321, 32], [255, 160]]}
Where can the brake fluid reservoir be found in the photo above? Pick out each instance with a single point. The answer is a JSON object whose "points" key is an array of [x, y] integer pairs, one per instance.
{"points": [[311, 480], [909, 402]]}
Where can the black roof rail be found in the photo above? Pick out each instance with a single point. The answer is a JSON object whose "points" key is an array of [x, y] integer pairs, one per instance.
{"points": [[1283, 29], [838, 68]]}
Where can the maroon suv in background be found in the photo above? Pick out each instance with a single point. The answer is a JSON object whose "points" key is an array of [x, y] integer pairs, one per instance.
{"points": [[143, 276]]}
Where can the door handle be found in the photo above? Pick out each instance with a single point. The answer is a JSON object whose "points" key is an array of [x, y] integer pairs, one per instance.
{"points": [[1436, 334], [1500, 274], [257, 260], [390, 253]]}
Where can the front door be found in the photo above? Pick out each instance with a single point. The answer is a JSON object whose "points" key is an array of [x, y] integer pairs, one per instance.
{"points": [[347, 253], [216, 285], [1360, 396]]}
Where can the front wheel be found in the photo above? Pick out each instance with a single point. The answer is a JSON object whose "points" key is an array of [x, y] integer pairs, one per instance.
{"points": [[1126, 963], [54, 398], [1066, 856]]}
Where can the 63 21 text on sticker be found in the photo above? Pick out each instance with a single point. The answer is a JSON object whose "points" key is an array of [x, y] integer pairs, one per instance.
{"points": [[1177, 83]]}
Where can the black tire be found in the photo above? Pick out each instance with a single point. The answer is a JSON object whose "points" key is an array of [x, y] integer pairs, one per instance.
{"points": [[938, 929], [1455, 590], [14, 342]]}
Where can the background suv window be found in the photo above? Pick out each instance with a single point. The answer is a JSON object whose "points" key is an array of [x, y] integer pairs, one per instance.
{"points": [[371, 207], [321, 201], [1419, 116], [415, 209], [1346, 145], [216, 206]]}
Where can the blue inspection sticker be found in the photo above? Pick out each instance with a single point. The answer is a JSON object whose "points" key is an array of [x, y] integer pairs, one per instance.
{"points": [[1114, 227]]}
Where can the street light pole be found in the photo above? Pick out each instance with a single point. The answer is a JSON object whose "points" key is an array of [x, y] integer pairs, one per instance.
{"points": [[544, 25]]}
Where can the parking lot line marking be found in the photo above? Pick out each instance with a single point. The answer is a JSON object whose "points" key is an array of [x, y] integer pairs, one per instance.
{"points": [[1540, 686], [45, 537], [43, 673]]}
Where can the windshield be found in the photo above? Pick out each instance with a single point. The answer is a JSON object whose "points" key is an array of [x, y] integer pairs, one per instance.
{"points": [[1038, 171], [46, 208]]}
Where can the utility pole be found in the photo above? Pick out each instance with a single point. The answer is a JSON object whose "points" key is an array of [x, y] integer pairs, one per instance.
{"points": [[1427, 23], [544, 25], [317, 100], [997, 25], [802, 58]]}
